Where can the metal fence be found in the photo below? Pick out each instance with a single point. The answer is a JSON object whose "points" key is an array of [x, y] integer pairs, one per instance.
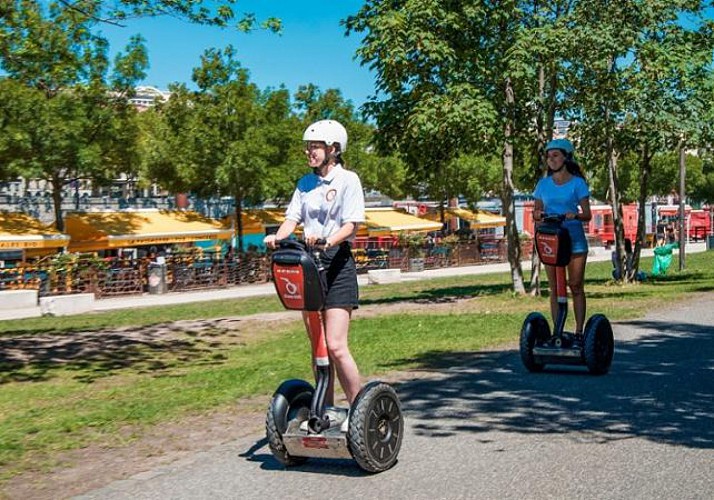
{"points": [[119, 277]]}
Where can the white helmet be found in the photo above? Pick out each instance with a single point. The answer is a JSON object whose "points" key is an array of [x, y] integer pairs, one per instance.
{"points": [[327, 131]]}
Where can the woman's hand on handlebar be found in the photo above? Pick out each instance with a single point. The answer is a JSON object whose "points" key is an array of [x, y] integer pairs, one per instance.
{"points": [[314, 241], [270, 241]]}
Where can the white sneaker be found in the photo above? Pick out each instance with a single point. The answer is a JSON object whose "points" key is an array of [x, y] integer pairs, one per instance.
{"points": [[345, 423], [336, 415]]}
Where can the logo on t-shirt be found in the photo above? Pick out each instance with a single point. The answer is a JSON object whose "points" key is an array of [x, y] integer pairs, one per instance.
{"points": [[330, 195]]}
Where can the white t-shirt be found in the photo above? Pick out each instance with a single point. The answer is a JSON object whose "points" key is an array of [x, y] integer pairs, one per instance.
{"points": [[324, 204]]}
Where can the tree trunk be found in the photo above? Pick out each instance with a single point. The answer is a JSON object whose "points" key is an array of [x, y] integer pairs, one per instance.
{"points": [[615, 202], [682, 199], [545, 124], [239, 223], [645, 173], [512, 240], [57, 185]]}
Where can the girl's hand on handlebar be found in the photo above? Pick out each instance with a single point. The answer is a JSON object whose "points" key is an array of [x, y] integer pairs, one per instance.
{"points": [[552, 218]]}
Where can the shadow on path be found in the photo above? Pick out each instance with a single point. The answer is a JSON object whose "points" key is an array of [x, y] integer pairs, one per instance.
{"points": [[660, 387]]}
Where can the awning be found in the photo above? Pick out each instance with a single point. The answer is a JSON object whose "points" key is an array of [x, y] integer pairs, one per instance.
{"points": [[91, 231], [255, 220], [479, 219], [19, 231], [389, 219]]}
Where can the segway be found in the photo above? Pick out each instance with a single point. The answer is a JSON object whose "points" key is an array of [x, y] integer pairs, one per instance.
{"points": [[298, 423], [538, 348]]}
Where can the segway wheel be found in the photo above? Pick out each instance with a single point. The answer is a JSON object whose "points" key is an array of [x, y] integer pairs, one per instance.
{"points": [[290, 401], [599, 344], [535, 331], [376, 427]]}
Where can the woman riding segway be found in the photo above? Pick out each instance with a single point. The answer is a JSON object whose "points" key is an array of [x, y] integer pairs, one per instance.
{"points": [[329, 202]]}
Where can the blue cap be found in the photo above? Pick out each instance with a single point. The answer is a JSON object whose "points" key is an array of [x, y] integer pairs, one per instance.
{"points": [[562, 144]]}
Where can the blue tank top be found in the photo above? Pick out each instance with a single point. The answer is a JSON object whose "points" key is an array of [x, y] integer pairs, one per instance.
{"points": [[563, 198]]}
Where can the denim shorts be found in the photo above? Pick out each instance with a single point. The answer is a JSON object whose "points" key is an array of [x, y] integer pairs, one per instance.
{"points": [[579, 243], [342, 289]]}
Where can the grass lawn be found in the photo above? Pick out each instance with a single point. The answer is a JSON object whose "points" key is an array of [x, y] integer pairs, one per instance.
{"points": [[89, 379]]}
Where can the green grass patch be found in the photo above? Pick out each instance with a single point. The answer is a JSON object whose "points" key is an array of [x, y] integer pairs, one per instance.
{"points": [[112, 388]]}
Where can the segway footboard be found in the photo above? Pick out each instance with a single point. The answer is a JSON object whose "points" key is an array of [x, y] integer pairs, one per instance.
{"points": [[330, 443], [551, 355]]}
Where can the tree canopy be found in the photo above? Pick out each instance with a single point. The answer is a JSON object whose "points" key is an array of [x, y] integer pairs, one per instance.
{"points": [[487, 79], [66, 114], [216, 13]]}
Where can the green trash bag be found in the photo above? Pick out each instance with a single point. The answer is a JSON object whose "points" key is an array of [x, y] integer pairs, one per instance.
{"points": [[663, 259]]}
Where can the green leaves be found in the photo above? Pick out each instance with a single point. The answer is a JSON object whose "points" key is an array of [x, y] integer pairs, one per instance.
{"points": [[64, 117], [440, 67], [226, 138], [220, 13], [130, 67]]}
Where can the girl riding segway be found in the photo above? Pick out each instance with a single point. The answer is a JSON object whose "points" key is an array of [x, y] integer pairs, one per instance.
{"points": [[562, 205], [562, 192]]}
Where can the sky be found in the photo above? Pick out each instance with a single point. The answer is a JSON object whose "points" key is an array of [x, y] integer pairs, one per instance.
{"points": [[313, 47]]}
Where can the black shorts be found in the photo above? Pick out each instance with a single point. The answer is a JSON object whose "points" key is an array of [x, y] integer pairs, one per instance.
{"points": [[342, 290]]}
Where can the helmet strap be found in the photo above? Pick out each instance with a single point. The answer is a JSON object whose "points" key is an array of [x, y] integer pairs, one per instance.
{"points": [[332, 158], [322, 169]]}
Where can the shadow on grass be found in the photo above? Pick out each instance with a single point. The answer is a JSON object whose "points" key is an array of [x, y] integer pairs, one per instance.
{"points": [[95, 354], [660, 388], [65, 330], [444, 294], [697, 282]]}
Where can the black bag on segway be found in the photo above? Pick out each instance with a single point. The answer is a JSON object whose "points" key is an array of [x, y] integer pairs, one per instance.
{"points": [[553, 244], [297, 278]]}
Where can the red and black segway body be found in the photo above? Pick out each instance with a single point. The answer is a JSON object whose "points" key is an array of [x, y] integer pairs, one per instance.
{"points": [[538, 346], [553, 242], [297, 278], [298, 423]]}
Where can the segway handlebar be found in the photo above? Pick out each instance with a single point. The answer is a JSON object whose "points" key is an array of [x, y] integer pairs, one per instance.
{"points": [[301, 243], [552, 218], [298, 274]]}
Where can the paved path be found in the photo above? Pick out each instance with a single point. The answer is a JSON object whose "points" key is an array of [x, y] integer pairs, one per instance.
{"points": [[480, 427]]}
